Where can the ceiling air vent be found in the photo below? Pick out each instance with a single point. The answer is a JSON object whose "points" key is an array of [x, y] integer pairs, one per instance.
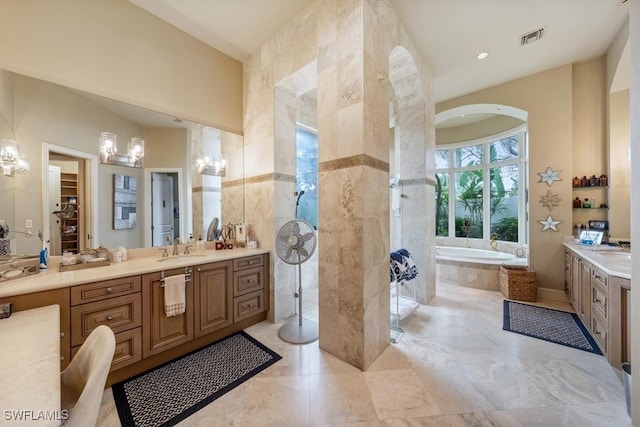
{"points": [[531, 36]]}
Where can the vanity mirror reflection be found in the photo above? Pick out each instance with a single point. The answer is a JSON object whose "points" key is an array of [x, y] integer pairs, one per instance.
{"points": [[58, 129]]}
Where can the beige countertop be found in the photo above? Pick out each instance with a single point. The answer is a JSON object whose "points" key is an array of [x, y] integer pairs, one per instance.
{"points": [[611, 261], [30, 368], [143, 261]]}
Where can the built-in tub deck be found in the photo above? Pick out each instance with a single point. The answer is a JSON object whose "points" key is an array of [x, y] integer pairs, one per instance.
{"points": [[473, 268]]}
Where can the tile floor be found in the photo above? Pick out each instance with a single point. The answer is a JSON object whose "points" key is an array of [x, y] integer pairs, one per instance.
{"points": [[454, 366]]}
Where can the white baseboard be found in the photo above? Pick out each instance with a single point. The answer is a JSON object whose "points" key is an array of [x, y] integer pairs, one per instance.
{"points": [[552, 295]]}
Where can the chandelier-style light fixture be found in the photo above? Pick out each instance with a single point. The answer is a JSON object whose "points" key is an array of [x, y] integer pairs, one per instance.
{"points": [[109, 151], [216, 166], [11, 161]]}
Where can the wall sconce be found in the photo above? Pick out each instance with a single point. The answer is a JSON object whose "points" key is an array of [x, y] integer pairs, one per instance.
{"points": [[11, 161], [214, 167], [136, 151], [108, 146], [109, 151]]}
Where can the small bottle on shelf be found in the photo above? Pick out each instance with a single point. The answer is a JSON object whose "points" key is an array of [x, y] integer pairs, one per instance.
{"points": [[586, 204], [577, 203]]}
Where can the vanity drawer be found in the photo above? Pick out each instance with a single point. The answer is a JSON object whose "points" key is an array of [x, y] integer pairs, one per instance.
{"points": [[249, 280], [248, 262], [107, 289], [128, 349], [248, 305], [599, 278], [600, 301], [600, 332], [120, 314]]}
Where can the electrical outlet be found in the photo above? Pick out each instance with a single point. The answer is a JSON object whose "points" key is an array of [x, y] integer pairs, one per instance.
{"points": [[28, 223]]}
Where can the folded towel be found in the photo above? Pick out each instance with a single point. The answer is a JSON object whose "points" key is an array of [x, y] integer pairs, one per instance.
{"points": [[402, 266], [174, 296]]}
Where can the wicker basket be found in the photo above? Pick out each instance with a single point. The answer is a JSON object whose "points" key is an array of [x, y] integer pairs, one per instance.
{"points": [[518, 283]]}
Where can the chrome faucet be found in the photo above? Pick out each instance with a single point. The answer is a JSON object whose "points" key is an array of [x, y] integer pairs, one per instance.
{"points": [[494, 241], [176, 242]]}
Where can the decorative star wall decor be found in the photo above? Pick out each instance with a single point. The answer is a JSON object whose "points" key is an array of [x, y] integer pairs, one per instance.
{"points": [[549, 176], [550, 200], [549, 223]]}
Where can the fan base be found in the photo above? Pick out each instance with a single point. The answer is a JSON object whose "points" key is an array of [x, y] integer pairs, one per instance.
{"points": [[294, 333]]}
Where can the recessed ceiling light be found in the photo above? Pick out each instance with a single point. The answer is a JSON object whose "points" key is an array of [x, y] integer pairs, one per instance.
{"points": [[482, 55]]}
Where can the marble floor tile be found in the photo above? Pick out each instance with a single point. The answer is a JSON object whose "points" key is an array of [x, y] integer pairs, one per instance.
{"points": [[454, 366]]}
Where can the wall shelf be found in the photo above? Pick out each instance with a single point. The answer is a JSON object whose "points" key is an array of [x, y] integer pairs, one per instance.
{"points": [[590, 209], [596, 187]]}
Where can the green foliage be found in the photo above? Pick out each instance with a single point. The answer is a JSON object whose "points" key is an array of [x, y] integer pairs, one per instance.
{"points": [[506, 229]]}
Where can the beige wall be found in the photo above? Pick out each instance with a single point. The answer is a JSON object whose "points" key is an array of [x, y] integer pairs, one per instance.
{"points": [[547, 97], [115, 49], [481, 129], [619, 166]]}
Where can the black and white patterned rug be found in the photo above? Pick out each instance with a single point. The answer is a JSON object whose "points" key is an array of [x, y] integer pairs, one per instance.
{"points": [[170, 393], [556, 326]]}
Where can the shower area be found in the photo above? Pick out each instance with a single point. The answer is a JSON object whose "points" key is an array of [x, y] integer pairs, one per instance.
{"points": [[411, 194]]}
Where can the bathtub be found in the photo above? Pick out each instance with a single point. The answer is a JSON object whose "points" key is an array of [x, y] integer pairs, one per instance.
{"points": [[474, 268], [483, 256]]}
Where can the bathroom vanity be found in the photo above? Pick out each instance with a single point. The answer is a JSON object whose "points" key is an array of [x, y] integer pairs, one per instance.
{"points": [[226, 291], [598, 284]]}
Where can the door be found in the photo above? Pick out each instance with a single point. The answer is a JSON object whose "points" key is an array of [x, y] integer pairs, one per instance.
{"points": [[162, 230], [55, 244], [161, 332], [214, 299]]}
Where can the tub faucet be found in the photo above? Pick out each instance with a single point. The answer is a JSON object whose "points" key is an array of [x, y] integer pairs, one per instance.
{"points": [[176, 242], [494, 241]]}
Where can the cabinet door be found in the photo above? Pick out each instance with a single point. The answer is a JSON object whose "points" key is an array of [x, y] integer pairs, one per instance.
{"points": [[575, 284], [585, 292], [213, 297], [568, 259], [161, 332]]}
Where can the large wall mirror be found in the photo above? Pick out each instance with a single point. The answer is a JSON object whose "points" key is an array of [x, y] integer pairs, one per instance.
{"points": [[58, 129]]}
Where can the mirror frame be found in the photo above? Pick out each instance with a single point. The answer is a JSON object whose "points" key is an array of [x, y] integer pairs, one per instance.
{"points": [[92, 176]]}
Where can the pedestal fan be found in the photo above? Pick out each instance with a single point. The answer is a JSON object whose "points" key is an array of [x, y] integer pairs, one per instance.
{"points": [[295, 243]]}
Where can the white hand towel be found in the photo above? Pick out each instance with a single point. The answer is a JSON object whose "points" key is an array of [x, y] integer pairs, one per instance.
{"points": [[174, 296]]}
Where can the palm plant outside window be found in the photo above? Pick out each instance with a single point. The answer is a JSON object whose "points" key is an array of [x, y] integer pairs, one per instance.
{"points": [[478, 188]]}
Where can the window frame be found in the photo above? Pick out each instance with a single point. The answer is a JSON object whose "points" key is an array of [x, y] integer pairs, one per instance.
{"points": [[522, 161]]}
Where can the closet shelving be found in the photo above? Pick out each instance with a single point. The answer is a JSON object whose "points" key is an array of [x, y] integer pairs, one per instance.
{"points": [[70, 226]]}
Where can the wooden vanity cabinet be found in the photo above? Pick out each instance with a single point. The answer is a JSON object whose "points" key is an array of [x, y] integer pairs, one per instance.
{"points": [[213, 286], [116, 303], [160, 332], [249, 278], [619, 321], [568, 261], [585, 292], [576, 275], [44, 298]]}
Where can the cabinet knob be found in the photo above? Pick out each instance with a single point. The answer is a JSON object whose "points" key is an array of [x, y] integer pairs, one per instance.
{"points": [[109, 289], [250, 305], [61, 334], [109, 317], [198, 269], [62, 358]]}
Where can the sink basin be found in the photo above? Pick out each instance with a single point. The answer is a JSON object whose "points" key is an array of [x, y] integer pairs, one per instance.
{"points": [[8, 259], [180, 257], [620, 255]]}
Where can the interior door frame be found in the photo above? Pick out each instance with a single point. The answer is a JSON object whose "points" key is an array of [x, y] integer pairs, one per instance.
{"points": [[90, 190], [182, 232]]}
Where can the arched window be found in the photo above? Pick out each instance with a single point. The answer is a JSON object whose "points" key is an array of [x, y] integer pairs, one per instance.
{"points": [[480, 187]]}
